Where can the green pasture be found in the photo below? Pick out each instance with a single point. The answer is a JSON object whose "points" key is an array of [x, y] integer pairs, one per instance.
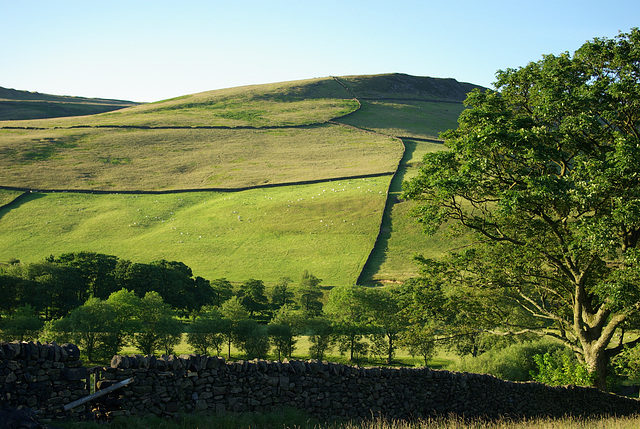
{"points": [[7, 196], [274, 105], [139, 159], [327, 228], [401, 236]]}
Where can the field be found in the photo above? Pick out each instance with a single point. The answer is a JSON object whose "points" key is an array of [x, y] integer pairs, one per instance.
{"points": [[170, 159], [324, 138], [327, 228]]}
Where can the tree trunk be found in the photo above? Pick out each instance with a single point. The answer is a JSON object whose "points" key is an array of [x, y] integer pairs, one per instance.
{"points": [[596, 361]]}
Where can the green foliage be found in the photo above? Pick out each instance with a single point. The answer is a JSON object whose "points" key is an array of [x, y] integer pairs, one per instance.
{"points": [[542, 174], [205, 334], [222, 291], [516, 362], [309, 294], [558, 369], [321, 336], [280, 294], [252, 339], [420, 341], [343, 309], [627, 363], [22, 325], [252, 296], [286, 324], [382, 310], [158, 329], [90, 328]]}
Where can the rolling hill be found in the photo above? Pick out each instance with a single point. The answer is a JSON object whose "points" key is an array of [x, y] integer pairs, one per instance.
{"points": [[260, 181], [16, 104]]}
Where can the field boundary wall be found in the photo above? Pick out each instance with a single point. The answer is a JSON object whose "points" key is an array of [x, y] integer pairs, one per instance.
{"points": [[45, 377]]}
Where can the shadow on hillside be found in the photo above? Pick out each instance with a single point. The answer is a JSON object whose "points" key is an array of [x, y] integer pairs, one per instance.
{"points": [[18, 201], [379, 252]]}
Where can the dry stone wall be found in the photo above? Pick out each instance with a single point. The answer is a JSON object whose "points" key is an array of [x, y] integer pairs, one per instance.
{"points": [[42, 377], [192, 383], [46, 377]]}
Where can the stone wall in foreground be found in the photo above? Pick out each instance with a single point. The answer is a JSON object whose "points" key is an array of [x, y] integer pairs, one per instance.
{"points": [[192, 383], [42, 377], [46, 377]]}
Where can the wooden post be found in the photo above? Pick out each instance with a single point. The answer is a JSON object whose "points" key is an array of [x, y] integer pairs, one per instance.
{"points": [[98, 394]]}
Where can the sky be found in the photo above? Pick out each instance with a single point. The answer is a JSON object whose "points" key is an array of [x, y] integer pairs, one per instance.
{"points": [[146, 51]]}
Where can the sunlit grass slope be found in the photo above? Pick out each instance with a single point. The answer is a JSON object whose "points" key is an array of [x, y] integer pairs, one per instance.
{"points": [[142, 159], [328, 229], [401, 237], [280, 104], [7, 196]]}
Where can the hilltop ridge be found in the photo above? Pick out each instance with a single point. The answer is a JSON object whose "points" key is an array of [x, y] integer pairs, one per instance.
{"points": [[404, 86], [17, 105]]}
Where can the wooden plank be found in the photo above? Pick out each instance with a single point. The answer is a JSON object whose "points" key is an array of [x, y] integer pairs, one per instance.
{"points": [[98, 394]]}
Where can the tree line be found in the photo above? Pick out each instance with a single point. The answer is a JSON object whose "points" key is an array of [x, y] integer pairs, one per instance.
{"points": [[103, 304]]}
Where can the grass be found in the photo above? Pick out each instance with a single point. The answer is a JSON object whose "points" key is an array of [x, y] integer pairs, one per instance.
{"points": [[126, 159], [7, 196], [18, 105], [294, 419], [327, 228], [402, 237], [407, 118]]}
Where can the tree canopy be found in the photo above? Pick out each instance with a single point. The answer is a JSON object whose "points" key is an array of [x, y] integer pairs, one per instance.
{"points": [[543, 174]]}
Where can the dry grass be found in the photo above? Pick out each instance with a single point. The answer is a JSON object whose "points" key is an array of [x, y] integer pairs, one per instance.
{"points": [[121, 159]]}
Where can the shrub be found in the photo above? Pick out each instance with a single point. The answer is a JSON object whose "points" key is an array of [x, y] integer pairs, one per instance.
{"points": [[560, 368], [514, 362]]}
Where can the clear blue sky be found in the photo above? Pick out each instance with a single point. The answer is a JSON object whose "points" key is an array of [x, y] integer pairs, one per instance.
{"points": [[151, 50]]}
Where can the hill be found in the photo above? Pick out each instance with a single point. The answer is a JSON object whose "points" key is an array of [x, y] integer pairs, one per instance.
{"points": [[17, 105], [290, 176]]}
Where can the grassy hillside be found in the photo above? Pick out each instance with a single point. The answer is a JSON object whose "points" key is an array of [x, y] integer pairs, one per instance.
{"points": [[17, 105], [286, 133], [274, 105], [151, 160], [328, 229]]}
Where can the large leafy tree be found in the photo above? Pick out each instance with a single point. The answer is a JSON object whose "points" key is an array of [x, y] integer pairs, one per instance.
{"points": [[543, 173]]}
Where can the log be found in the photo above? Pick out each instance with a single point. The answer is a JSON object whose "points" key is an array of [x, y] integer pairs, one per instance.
{"points": [[98, 394]]}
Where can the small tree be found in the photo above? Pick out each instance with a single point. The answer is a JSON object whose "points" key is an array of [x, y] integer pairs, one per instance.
{"points": [[123, 323], [232, 312], [89, 327], [419, 340], [321, 336], [252, 339], [281, 293], [158, 327], [310, 294], [252, 296], [284, 327], [222, 291], [206, 332], [344, 310]]}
